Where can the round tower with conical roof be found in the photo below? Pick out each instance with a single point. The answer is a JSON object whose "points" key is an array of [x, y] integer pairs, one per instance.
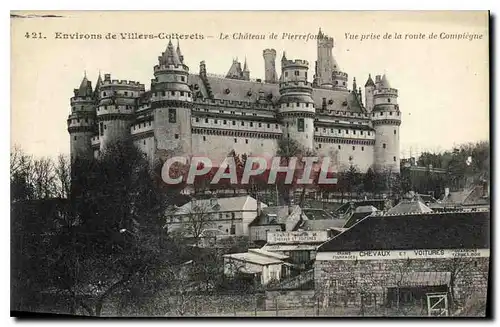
{"points": [[81, 121], [296, 106], [171, 102], [386, 119]]}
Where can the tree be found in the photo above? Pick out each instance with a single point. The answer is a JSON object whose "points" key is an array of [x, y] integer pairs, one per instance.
{"points": [[198, 218]]}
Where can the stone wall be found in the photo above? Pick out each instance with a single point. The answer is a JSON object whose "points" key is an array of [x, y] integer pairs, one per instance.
{"points": [[345, 281], [290, 299]]}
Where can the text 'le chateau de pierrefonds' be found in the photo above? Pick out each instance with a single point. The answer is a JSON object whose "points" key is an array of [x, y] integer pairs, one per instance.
{"points": [[207, 115]]}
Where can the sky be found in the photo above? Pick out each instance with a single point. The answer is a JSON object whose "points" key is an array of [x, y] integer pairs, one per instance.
{"points": [[443, 84]]}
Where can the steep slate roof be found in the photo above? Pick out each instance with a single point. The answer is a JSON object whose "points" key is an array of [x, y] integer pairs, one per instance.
{"points": [[237, 203], [239, 91], [279, 216], [406, 207], [323, 224], [451, 230]]}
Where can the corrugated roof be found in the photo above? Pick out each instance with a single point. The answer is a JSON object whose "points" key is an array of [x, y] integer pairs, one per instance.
{"points": [[449, 230]]}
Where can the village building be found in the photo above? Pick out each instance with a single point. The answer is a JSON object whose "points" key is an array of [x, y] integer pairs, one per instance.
{"points": [[400, 259], [264, 267], [359, 213], [275, 219], [221, 216]]}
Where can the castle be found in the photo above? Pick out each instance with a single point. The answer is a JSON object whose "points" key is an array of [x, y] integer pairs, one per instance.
{"points": [[209, 115]]}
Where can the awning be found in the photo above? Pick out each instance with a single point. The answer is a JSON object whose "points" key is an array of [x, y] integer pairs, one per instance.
{"points": [[421, 278]]}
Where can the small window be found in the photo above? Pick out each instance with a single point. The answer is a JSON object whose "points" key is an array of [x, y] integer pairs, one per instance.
{"points": [[215, 121], [235, 140], [173, 92], [362, 148], [286, 74], [319, 145], [224, 122], [176, 136], [242, 123], [105, 127], [340, 147], [74, 138], [297, 73], [388, 100], [298, 104], [204, 138], [172, 115], [384, 145], [234, 123], [394, 132], [394, 159], [144, 142], [381, 114], [251, 124], [103, 93], [353, 148], [197, 120], [390, 113], [126, 93], [182, 93], [260, 124], [268, 125], [183, 78], [206, 120], [246, 141], [300, 124]]}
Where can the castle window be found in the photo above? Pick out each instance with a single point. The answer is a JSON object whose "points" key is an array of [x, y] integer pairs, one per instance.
{"points": [[388, 100], [78, 120], [182, 93], [233, 113], [340, 131], [173, 92], [254, 114], [172, 115], [353, 148], [144, 142], [242, 123], [251, 124], [126, 93], [74, 138], [298, 104], [340, 147], [234, 123], [235, 140], [315, 129], [354, 132], [246, 141], [300, 124], [394, 159], [288, 105], [368, 133], [206, 120], [362, 148], [297, 73], [373, 114], [101, 129], [288, 135], [221, 111], [176, 136], [305, 75], [268, 125], [243, 113], [260, 124], [224, 122], [347, 131], [204, 138], [286, 74], [197, 120], [183, 79], [361, 132], [390, 113], [105, 127], [319, 145], [394, 132], [381, 113], [276, 125], [384, 145], [215, 121], [343, 83], [336, 82], [103, 94], [331, 130]]}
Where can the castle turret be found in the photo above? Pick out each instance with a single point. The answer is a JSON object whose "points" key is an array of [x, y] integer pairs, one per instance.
{"points": [[116, 110], [296, 106], [246, 71], [81, 121], [270, 65], [171, 102], [369, 88], [386, 119]]}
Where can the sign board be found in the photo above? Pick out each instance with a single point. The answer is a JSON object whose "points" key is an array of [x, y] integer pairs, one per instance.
{"points": [[403, 254], [297, 237]]}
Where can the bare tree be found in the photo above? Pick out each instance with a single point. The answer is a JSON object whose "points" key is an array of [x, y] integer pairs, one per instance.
{"points": [[198, 218], [62, 171]]}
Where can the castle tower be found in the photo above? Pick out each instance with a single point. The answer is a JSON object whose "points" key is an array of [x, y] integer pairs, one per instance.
{"points": [[116, 109], [325, 63], [81, 121], [171, 102], [270, 65], [369, 88], [386, 119], [296, 106], [246, 71]]}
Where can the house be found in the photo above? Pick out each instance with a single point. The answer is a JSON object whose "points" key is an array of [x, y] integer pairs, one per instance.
{"points": [[409, 206], [262, 265], [398, 259], [476, 196], [360, 213], [275, 219], [227, 216]]}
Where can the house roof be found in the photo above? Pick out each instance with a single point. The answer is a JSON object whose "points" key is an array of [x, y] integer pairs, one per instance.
{"points": [[317, 214], [254, 258], [407, 206], [449, 230], [248, 91], [238, 203], [323, 224], [278, 215], [356, 217]]}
